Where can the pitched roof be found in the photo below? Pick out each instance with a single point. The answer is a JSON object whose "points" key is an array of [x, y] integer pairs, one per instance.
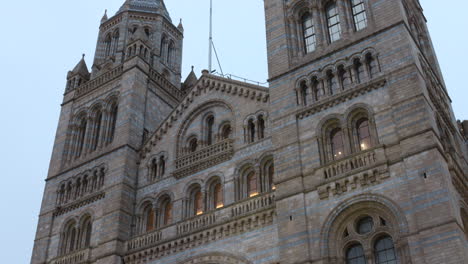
{"points": [[81, 68], [148, 6]]}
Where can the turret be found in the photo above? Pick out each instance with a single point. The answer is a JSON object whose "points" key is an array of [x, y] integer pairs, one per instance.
{"points": [[78, 75]]}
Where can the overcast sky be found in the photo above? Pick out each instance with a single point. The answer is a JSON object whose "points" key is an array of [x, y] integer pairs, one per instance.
{"points": [[42, 40]]}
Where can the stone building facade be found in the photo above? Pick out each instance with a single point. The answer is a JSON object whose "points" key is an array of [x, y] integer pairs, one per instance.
{"points": [[351, 155]]}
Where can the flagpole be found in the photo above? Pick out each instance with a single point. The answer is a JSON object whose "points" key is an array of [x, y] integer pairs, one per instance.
{"points": [[211, 38]]}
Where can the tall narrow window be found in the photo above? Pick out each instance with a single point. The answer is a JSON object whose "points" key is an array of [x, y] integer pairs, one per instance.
{"points": [[261, 127], [209, 130], [332, 83], [355, 255], [193, 145], [218, 196], [97, 130], [359, 14], [363, 133], [163, 48], [252, 184], [333, 20], [226, 131], [315, 89], [81, 136], [167, 213], [108, 45], [337, 144], [385, 251], [308, 33], [198, 202], [162, 166], [87, 234], [170, 54], [115, 42], [372, 66], [150, 219], [154, 169], [113, 122], [251, 131], [359, 71], [304, 93]]}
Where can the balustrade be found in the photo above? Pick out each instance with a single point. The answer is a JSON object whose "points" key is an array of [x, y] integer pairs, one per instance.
{"points": [[196, 223], [253, 204], [98, 81], [145, 240], [78, 257], [349, 164]]}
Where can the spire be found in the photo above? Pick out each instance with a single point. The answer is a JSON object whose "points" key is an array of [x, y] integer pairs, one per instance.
{"points": [[180, 26], [190, 81], [148, 6], [104, 17], [81, 68]]}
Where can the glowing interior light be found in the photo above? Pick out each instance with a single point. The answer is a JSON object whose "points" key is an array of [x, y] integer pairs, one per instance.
{"points": [[253, 194], [274, 187], [363, 146], [199, 212], [219, 206]]}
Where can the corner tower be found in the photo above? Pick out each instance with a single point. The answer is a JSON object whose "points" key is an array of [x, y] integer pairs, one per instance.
{"points": [[106, 115], [364, 135]]}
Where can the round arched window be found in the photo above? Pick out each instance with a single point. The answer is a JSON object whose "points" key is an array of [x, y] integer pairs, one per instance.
{"points": [[355, 255]]}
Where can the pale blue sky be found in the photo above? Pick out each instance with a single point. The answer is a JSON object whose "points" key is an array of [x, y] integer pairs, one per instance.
{"points": [[42, 40]]}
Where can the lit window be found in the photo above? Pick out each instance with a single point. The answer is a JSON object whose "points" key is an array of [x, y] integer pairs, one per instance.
{"points": [[218, 196], [168, 213], [150, 223], [308, 33], [337, 144], [198, 202], [333, 20], [359, 14], [252, 187], [364, 134]]}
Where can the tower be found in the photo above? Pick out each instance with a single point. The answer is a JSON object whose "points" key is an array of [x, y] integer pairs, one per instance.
{"points": [[368, 152], [106, 116]]}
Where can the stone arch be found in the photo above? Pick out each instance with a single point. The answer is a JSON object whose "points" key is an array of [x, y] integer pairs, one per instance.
{"points": [[331, 239], [189, 119]]}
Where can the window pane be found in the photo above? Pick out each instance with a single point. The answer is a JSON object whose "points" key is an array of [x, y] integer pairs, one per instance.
{"points": [[359, 14], [308, 33], [252, 184], [337, 143], [355, 255], [385, 251], [365, 225]]}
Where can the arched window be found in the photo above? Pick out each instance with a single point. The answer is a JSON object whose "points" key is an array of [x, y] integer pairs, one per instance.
{"points": [[108, 45], [359, 14], [261, 127], [270, 170], [69, 238], [308, 30], [162, 166], [218, 196], [359, 71], [163, 48], [337, 143], [332, 83], [251, 131], [97, 130], [385, 251], [209, 130], [154, 169], [343, 76], [372, 65], [198, 202], [315, 89], [113, 121], [81, 136], [193, 145], [333, 22], [86, 230], [150, 219], [226, 131], [304, 93], [355, 255], [170, 54], [115, 42], [363, 133], [167, 212], [252, 184]]}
